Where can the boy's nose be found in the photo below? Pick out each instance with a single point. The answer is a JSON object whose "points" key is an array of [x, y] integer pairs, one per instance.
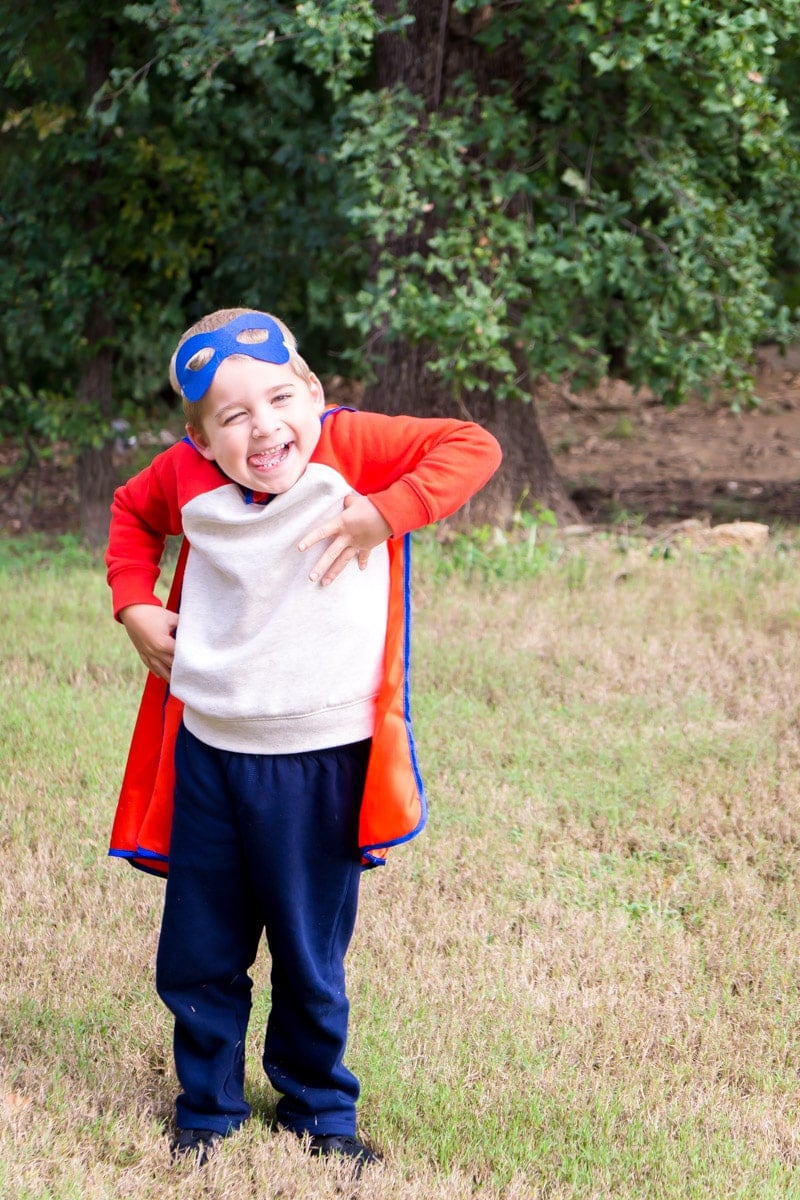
{"points": [[264, 424]]}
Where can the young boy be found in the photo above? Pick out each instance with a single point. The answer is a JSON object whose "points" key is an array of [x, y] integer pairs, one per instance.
{"points": [[275, 719]]}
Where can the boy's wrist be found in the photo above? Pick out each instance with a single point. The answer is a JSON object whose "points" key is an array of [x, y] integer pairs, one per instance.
{"points": [[121, 607]]}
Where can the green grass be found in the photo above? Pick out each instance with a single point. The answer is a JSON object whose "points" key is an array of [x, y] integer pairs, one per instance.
{"points": [[581, 981]]}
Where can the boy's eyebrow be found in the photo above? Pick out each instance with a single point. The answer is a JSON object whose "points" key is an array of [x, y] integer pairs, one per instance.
{"points": [[217, 412]]}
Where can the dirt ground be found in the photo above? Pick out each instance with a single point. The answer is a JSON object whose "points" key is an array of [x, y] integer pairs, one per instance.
{"points": [[624, 458], [628, 458]]}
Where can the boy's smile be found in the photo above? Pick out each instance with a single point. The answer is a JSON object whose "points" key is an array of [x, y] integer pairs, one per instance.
{"points": [[260, 423]]}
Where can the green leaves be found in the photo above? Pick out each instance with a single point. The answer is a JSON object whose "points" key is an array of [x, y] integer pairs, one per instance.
{"points": [[625, 194], [614, 204], [191, 169]]}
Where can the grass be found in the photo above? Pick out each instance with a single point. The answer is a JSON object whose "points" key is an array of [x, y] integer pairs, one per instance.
{"points": [[580, 982]]}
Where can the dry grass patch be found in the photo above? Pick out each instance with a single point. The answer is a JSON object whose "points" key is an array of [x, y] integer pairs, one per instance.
{"points": [[580, 982]]}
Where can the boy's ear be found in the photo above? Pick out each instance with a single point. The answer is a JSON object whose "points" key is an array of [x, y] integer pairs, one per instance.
{"points": [[198, 439], [317, 391]]}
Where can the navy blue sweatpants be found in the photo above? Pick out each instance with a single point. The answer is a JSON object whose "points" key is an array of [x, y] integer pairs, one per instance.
{"points": [[262, 843]]}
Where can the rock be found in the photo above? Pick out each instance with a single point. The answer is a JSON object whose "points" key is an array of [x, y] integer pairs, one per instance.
{"points": [[747, 535], [577, 530]]}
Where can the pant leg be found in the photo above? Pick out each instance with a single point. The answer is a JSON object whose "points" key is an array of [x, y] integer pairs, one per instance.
{"points": [[209, 938], [300, 833]]}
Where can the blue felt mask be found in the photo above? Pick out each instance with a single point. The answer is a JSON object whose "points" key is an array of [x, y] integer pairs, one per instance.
{"points": [[225, 341]]}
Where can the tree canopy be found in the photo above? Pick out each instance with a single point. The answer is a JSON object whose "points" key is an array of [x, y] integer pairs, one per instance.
{"points": [[539, 189], [152, 164], [623, 194]]}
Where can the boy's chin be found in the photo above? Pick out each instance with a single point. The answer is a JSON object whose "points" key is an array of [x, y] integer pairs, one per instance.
{"points": [[271, 484]]}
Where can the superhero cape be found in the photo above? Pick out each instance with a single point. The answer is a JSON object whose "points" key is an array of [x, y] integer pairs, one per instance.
{"points": [[393, 808]]}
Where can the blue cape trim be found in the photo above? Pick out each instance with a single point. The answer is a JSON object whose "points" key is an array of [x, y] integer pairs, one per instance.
{"points": [[137, 853], [372, 859], [134, 857], [331, 412]]}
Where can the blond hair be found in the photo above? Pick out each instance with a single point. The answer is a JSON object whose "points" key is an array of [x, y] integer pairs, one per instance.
{"points": [[193, 411]]}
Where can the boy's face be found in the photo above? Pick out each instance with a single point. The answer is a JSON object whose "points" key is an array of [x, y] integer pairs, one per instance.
{"points": [[260, 423]]}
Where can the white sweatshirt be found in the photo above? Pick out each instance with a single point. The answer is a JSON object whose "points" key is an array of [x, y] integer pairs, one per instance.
{"points": [[251, 675]]}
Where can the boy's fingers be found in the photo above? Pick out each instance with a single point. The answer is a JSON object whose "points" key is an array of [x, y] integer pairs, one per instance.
{"points": [[156, 665], [333, 562], [334, 529], [319, 535], [337, 567]]}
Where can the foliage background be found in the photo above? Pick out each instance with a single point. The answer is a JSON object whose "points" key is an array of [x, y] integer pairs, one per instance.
{"points": [[624, 198]]}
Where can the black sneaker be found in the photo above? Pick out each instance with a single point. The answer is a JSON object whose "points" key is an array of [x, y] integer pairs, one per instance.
{"points": [[199, 1144], [337, 1145]]}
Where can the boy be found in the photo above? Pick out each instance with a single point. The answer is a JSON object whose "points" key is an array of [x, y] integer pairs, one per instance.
{"points": [[275, 718]]}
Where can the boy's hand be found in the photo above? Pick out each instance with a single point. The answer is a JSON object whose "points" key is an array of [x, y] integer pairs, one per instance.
{"points": [[354, 534], [151, 629]]}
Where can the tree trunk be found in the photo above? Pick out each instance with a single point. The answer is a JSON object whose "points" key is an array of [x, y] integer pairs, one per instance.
{"points": [[96, 487], [96, 477], [527, 475], [95, 463], [436, 48]]}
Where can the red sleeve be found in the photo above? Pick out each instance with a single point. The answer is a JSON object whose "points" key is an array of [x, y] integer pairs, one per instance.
{"points": [[144, 511], [415, 470]]}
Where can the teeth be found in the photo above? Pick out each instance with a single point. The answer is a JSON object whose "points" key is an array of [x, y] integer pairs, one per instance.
{"points": [[274, 454]]}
